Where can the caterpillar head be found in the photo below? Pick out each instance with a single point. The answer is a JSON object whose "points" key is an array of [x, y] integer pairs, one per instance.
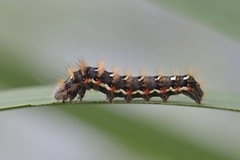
{"points": [[60, 92], [63, 88]]}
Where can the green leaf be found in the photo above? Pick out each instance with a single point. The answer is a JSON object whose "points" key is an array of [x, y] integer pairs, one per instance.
{"points": [[26, 96], [135, 134]]}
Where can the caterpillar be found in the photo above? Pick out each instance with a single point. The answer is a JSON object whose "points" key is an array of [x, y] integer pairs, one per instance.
{"points": [[112, 84]]}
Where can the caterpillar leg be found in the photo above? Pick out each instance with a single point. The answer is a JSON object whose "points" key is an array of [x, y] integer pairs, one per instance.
{"points": [[81, 94], [162, 93], [164, 97], [147, 98], [145, 94], [110, 97], [128, 98], [76, 89]]}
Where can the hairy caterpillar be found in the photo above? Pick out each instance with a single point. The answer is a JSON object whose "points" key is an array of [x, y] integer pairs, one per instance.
{"points": [[112, 84]]}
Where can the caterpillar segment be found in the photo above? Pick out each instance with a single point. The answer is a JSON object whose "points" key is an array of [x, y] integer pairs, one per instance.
{"points": [[115, 85], [130, 88], [112, 84], [163, 88], [192, 89], [147, 84]]}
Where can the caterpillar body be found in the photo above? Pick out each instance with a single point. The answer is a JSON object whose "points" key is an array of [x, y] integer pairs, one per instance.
{"points": [[112, 84]]}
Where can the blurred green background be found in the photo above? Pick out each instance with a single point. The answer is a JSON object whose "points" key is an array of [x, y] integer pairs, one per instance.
{"points": [[39, 39]]}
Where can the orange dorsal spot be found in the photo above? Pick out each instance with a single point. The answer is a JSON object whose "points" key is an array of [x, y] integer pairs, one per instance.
{"points": [[189, 88], [177, 89], [86, 80], [163, 90], [112, 88], [146, 91], [128, 92], [98, 82]]}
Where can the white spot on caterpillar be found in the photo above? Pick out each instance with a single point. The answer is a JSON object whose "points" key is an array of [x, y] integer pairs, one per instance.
{"points": [[185, 78], [112, 75], [126, 78], [158, 78], [173, 78], [140, 79]]}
